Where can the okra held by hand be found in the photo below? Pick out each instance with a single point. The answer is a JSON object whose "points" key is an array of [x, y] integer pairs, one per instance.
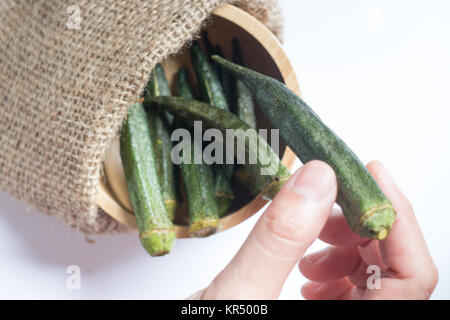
{"points": [[162, 145], [211, 92], [198, 180], [157, 233], [267, 169], [367, 210]]}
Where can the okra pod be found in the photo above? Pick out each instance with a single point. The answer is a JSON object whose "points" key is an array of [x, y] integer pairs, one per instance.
{"points": [[183, 87], [158, 86], [266, 167], [211, 92], [157, 233], [367, 210], [162, 145], [225, 78], [245, 108], [198, 181]]}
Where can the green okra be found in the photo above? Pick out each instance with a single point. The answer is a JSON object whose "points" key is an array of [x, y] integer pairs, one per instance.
{"points": [[257, 156], [210, 51], [366, 208], [245, 178], [183, 87], [245, 110], [162, 144], [225, 78], [211, 92], [198, 180], [157, 233], [221, 74], [245, 107], [158, 86]]}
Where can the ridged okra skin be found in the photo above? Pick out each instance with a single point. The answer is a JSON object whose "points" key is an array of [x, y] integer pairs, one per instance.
{"points": [[245, 110], [157, 233], [267, 169], [183, 87], [211, 92], [245, 107], [158, 86], [367, 210], [225, 79], [162, 145], [198, 181]]}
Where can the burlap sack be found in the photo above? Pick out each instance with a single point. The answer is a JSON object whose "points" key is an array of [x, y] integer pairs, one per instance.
{"points": [[66, 83]]}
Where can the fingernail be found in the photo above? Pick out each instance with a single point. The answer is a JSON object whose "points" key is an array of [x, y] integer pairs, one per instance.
{"points": [[315, 257], [316, 181]]}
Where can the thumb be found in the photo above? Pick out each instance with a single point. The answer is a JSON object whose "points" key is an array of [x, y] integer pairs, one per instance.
{"points": [[280, 238]]}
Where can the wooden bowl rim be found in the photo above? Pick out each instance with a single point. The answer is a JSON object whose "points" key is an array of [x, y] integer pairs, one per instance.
{"points": [[267, 39]]}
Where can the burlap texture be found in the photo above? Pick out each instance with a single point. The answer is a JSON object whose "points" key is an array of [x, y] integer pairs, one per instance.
{"points": [[64, 92]]}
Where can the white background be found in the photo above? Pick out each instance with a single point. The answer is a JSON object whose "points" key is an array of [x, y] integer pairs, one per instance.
{"points": [[378, 72]]}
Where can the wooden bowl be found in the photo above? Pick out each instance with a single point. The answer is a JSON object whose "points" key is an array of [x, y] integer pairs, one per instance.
{"points": [[262, 52]]}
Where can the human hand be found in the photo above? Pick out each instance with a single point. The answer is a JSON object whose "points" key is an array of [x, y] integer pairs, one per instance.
{"points": [[295, 218], [341, 270]]}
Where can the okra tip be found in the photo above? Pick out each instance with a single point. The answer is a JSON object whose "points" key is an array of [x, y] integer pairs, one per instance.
{"points": [[204, 227], [158, 242], [377, 223], [224, 62]]}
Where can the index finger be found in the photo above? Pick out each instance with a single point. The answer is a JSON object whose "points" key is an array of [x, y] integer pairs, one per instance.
{"points": [[404, 250]]}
